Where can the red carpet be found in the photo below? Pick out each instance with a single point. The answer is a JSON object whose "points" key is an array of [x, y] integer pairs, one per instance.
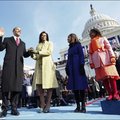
{"points": [[91, 102]]}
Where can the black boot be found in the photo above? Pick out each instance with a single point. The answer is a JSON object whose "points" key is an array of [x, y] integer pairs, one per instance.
{"points": [[77, 99], [83, 99], [77, 108], [3, 113], [83, 110]]}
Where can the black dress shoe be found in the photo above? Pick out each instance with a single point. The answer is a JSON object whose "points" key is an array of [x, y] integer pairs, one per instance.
{"points": [[3, 113], [83, 110], [15, 112]]}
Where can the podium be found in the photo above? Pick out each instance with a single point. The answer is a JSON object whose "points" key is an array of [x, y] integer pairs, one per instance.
{"points": [[110, 107]]}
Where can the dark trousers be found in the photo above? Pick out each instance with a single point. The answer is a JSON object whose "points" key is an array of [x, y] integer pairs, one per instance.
{"points": [[14, 97]]}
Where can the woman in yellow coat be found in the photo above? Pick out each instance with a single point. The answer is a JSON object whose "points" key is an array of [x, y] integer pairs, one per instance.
{"points": [[44, 76]]}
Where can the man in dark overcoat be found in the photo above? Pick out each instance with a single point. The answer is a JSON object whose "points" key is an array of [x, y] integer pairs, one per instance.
{"points": [[12, 74]]}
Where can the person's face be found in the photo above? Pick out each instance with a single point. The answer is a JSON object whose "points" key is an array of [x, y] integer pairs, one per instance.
{"points": [[92, 34], [43, 37], [71, 39], [17, 32]]}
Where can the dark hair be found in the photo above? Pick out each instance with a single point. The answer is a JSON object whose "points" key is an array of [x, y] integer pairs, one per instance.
{"points": [[75, 36], [96, 31], [41, 35], [15, 28]]}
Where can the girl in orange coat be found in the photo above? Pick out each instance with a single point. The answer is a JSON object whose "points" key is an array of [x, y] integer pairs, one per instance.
{"points": [[102, 59]]}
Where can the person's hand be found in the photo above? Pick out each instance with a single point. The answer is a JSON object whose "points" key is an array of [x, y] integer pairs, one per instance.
{"points": [[92, 66], [82, 70], [30, 50], [113, 61], [1, 32]]}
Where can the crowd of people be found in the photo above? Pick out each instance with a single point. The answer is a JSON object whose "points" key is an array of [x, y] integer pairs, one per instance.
{"points": [[47, 86]]}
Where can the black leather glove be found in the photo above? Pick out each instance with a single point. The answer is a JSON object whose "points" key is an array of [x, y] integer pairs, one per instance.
{"points": [[82, 70], [30, 51]]}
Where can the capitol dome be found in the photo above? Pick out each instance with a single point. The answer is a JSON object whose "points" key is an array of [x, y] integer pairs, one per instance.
{"points": [[100, 21]]}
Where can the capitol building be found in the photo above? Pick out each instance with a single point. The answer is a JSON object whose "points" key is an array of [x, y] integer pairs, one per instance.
{"points": [[108, 26]]}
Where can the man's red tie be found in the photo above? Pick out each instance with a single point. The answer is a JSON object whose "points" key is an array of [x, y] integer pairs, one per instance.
{"points": [[17, 41]]}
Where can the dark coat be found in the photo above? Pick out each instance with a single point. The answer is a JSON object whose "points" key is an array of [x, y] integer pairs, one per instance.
{"points": [[77, 79], [118, 65], [118, 70], [12, 74]]}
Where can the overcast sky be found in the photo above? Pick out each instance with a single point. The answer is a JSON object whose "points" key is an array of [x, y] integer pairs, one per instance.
{"points": [[57, 18]]}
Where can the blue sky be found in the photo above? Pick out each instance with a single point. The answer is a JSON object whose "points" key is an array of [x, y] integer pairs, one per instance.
{"points": [[57, 18]]}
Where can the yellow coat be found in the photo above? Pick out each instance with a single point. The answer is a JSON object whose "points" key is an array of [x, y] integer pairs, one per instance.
{"points": [[45, 67]]}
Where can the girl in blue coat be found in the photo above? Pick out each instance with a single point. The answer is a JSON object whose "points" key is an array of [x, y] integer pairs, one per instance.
{"points": [[77, 80]]}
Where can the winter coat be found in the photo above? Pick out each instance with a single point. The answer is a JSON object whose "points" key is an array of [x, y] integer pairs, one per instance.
{"points": [[77, 79], [102, 55], [45, 67], [12, 74]]}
